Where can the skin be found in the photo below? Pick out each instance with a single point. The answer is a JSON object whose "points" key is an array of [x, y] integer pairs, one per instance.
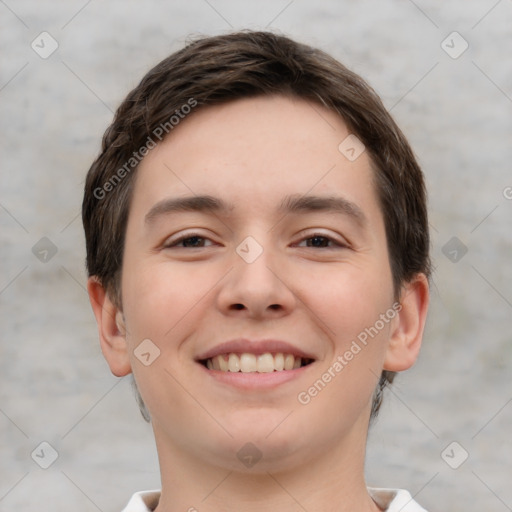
{"points": [[188, 298]]}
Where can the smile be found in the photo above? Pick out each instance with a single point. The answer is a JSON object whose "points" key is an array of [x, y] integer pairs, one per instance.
{"points": [[252, 363]]}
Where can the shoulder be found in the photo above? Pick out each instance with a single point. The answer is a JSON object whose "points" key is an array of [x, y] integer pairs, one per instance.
{"points": [[395, 500]]}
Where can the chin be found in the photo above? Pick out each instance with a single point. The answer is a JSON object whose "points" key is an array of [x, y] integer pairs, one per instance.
{"points": [[263, 442]]}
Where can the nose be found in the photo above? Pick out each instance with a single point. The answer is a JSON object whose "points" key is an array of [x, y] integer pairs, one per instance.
{"points": [[257, 288]]}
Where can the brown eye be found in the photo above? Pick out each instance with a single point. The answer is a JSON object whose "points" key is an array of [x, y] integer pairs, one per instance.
{"points": [[318, 241], [322, 242], [188, 241]]}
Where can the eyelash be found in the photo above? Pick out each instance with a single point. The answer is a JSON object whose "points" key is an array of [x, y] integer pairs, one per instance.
{"points": [[183, 238]]}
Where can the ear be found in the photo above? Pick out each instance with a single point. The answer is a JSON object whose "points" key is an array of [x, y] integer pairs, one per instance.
{"points": [[111, 328], [407, 331]]}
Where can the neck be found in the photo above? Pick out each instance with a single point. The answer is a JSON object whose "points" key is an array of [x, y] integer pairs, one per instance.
{"points": [[332, 482]]}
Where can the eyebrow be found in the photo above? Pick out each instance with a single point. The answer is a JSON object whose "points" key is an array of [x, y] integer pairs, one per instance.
{"points": [[329, 204], [290, 204], [187, 204]]}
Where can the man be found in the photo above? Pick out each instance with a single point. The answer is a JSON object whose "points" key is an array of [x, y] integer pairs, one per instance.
{"points": [[258, 252]]}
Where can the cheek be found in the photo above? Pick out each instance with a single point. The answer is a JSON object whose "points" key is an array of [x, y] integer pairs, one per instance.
{"points": [[347, 299], [358, 306], [161, 298], [162, 303]]}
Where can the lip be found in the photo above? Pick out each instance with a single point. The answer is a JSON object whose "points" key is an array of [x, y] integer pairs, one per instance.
{"points": [[254, 381], [256, 347]]}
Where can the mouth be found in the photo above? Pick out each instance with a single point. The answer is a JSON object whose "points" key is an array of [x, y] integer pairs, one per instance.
{"points": [[247, 362], [261, 361]]}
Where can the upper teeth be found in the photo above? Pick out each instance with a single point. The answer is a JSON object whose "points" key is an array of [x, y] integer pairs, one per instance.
{"points": [[264, 363]]}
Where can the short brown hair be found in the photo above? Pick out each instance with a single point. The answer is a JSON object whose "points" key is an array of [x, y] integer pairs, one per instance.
{"points": [[219, 69]]}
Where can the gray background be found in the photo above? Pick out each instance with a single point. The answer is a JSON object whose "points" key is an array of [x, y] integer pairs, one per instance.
{"points": [[456, 112]]}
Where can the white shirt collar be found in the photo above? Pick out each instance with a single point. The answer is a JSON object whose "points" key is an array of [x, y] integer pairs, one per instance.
{"points": [[391, 500]]}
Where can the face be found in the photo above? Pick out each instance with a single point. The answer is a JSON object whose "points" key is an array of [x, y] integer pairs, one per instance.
{"points": [[253, 242]]}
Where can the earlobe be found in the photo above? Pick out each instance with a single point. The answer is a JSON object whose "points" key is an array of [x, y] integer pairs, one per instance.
{"points": [[111, 328], [406, 336]]}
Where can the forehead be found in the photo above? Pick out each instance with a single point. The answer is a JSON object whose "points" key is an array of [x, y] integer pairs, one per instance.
{"points": [[252, 152]]}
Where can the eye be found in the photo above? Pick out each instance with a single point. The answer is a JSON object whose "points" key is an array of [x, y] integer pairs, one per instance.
{"points": [[322, 242], [191, 240]]}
